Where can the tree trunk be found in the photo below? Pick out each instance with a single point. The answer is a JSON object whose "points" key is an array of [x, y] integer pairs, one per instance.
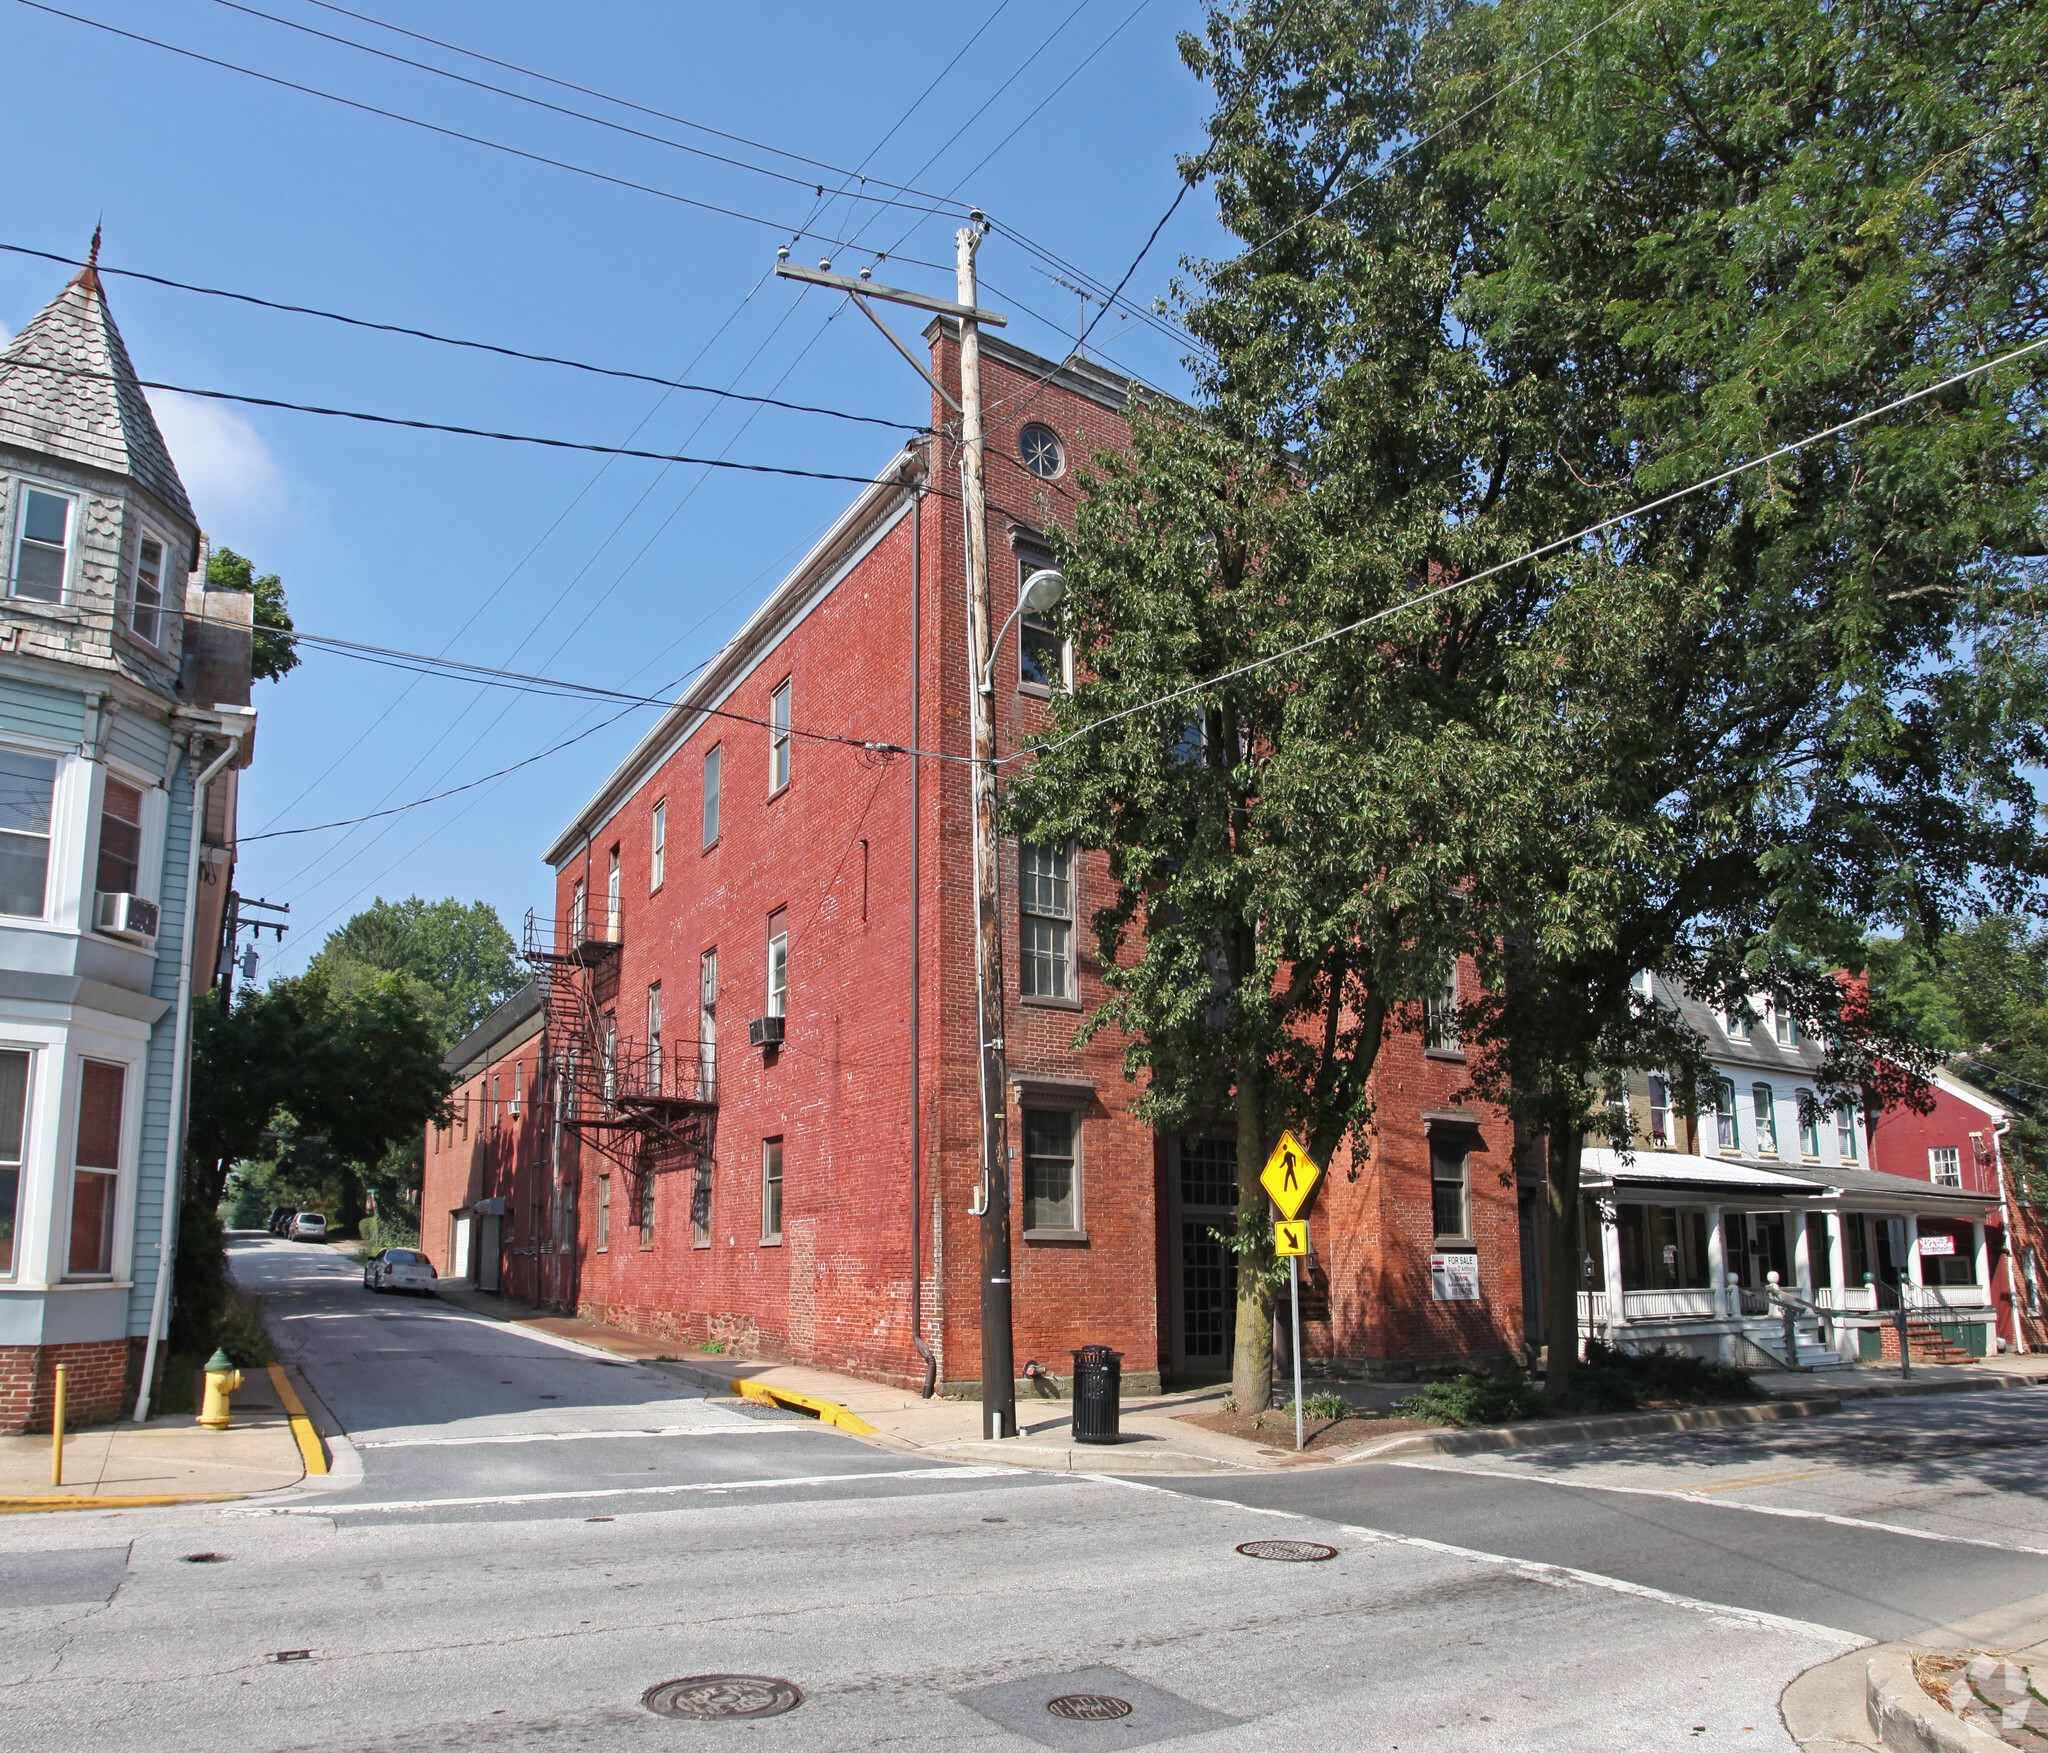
{"points": [[1251, 1369], [1561, 1292]]}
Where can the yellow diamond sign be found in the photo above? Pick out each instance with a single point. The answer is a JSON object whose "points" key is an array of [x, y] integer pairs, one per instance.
{"points": [[1289, 1176]]}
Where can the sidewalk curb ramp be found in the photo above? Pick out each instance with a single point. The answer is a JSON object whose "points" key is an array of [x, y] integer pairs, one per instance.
{"points": [[825, 1411], [1906, 1719]]}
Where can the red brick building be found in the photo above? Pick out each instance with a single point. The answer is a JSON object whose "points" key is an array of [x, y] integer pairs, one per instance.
{"points": [[764, 922]]}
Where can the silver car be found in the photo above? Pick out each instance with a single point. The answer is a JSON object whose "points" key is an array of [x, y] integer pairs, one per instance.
{"points": [[309, 1226], [399, 1269]]}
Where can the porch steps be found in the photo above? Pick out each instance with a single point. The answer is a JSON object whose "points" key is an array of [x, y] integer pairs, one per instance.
{"points": [[1937, 1348], [1809, 1353]]}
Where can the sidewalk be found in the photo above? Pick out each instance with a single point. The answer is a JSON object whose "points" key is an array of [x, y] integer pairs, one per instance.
{"points": [[1989, 1673], [1156, 1435], [172, 1459]]}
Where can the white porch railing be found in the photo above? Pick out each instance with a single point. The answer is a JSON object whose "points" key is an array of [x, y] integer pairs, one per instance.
{"points": [[1669, 1305], [1592, 1310], [1921, 1298]]}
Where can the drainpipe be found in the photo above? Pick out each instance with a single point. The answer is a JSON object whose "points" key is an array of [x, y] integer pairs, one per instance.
{"points": [[1999, 1128], [931, 1362], [181, 1040]]}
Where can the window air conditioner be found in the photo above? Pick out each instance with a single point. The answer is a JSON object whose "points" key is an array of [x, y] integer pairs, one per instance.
{"points": [[122, 915], [765, 1031]]}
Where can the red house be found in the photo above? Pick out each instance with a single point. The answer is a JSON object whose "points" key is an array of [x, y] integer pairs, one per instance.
{"points": [[755, 1011]]}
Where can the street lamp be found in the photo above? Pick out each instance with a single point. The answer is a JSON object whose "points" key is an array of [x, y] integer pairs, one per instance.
{"points": [[1042, 591]]}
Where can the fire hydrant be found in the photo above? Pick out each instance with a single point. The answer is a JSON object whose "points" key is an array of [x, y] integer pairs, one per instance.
{"points": [[222, 1379]]}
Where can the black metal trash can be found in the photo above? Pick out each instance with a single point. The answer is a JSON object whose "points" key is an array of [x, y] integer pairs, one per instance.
{"points": [[1098, 1380]]}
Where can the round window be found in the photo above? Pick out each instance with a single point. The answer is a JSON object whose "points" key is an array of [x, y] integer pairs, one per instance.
{"points": [[1040, 448]]}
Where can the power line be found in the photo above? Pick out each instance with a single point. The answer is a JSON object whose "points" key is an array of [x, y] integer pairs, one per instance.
{"points": [[430, 127], [306, 310], [611, 450], [1538, 552]]}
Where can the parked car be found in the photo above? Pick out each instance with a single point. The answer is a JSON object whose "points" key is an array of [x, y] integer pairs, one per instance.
{"points": [[399, 1269], [280, 1217], [309, 1226]]}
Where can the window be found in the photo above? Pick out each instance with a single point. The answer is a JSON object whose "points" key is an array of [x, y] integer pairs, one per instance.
{"points": [[1051, 1196], [707, 1027], [27, 784], [711, 797], [1039, 446], [1046, 892], [1642, 983], [145, 611], [1660, 1111], [1449, 1186], [1041, 652], [646, 1210], [778, 738], [771, 1190], [657, 848], [654, 1038], [578, 912], [1766, 1109], [1783, 1028], [96, 1178], [1845, 1131], [1726, 1134], [518, 1085], [778, 963], [1945, 1166], [42, 545], [604, 1213], [1809, 1125], [1738, 1021], [495, 1103], [1620, 1121], [611, 897], [120, 837], [1440, 1029], [700, 1205], [13, 1128]]}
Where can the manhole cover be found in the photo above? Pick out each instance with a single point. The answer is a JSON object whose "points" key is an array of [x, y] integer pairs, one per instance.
{"points": [[1090, 1707], [204, 1558], [703, 1697], [1288, 1551]]}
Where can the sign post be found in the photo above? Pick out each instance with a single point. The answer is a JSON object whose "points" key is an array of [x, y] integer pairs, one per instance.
{"points": [[1290, 1178]]}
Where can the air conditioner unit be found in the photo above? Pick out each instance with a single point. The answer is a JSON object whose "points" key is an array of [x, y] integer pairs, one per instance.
{"points": [[765, 1031], [121, 915]]}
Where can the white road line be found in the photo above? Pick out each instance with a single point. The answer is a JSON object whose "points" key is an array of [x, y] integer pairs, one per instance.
{"points": [[753, 1427], [1677, 1494], [1553, 1575], [443, 1503]]}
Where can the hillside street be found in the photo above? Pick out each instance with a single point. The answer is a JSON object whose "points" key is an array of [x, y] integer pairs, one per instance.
{"points": [[538, 1534]]}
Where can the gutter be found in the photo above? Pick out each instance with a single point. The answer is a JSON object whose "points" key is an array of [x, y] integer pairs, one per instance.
{"points": [[181, 1039]]}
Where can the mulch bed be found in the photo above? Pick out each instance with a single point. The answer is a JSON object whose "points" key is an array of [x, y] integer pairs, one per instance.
{"points": [[1276, 1429]]}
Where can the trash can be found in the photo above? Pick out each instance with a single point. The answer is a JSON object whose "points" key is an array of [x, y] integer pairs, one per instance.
{"points": [[1098, 1379]]}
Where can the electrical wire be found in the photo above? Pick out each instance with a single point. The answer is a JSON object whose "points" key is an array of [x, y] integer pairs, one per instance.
{"points": [[307, 310], [610, 450], [1538, 552], [429, 127]]}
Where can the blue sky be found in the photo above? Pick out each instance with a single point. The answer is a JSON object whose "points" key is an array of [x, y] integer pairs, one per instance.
{"points": [[505, 555]]}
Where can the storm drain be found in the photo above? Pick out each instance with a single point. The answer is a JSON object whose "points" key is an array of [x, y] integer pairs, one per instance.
{"points": [[204, 1558], [1288, 1551], [710, 1697], [1089, 1707]]}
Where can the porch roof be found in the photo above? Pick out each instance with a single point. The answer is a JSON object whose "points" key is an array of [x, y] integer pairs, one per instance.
{"points": [[1694, 1174], [1862, 1185]]}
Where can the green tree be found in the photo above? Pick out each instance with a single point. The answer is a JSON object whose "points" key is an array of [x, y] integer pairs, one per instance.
{"points": [[456, 958], [276, 653]]}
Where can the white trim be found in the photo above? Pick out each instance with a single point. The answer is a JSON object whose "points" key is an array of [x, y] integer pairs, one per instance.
{"points": [[16, 509]]}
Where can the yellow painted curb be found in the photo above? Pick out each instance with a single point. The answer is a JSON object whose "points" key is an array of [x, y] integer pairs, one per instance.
{"points": [[16, 1506], [303, 1432], [828, 1411]]}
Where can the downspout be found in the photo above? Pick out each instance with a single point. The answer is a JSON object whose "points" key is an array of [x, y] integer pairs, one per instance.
{"points": [[931, 1362], [1999, 1128], [181, 1040]]}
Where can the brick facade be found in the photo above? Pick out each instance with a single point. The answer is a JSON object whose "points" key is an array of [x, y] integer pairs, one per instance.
{"points": [[880, 1050], [97, 1383]]}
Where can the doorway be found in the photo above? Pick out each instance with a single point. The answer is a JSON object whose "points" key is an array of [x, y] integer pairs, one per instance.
{"points": [[1201, 1199]]}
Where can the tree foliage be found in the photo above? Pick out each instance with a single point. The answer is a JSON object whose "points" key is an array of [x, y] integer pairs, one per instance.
{"points": [[455, 958], [276, 653]]}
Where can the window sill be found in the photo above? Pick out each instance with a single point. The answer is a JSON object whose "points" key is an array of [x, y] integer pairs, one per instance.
{"points": [[703, 1244], [1454, 1245], [771, 1241], [777, 791], [1035, 690], [1070, 1236], [1035, 1002], [712, 847]]}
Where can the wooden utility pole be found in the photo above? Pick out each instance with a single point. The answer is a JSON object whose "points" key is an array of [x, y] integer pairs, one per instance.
{"points": [[992, 1203]]}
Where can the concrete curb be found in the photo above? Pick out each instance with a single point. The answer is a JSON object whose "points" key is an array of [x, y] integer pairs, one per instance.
{"points": [[1580, 1430], [1906, 1719]]}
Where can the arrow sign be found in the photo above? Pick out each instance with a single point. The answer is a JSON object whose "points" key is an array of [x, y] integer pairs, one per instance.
{"points": [[1290, 1240], [1290, 1176]]}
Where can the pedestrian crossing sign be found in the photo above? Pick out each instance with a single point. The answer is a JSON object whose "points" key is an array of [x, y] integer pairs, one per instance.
{"points": [[1289, 1176], [1290, 1239]]}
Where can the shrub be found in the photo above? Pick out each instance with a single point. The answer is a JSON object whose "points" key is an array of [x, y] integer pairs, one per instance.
{"points": [[1620, 1381], [1473, 1399], [1330, 1406], [241, 1332], [392, 1231]]}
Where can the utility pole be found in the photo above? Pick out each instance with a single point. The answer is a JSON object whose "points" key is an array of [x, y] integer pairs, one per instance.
{"points": [[992, 1205]]}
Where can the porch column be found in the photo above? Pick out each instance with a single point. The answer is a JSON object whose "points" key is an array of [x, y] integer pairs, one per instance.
{"points": [[1610, 1260], [1980, 1248], [1717, 1262], [1913, 1253], [1846, 1340], [1802, 1253]]}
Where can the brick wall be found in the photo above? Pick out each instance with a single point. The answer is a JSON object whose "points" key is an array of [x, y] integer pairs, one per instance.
{"points": [[95, 1372]]}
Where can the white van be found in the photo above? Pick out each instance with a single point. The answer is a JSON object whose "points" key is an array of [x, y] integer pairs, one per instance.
{"points": [[309, 1226]]}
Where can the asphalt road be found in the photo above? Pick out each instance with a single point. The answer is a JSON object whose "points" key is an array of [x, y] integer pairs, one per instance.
{"points": [[538, 1535]]}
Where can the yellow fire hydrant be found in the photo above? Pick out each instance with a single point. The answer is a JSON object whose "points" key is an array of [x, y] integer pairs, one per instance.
{"points": [[222, 1379]]}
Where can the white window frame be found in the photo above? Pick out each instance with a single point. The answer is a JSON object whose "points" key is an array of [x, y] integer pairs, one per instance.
{"points": [[778, 970], [1763, 1101], [68, 1168], [1945, 1165], [614, 894], [1441, 1031], [1727, 1116], [1061, 958], [1848, 1146], [654, 1036], [1073, 1116], [1809, 1126], [156, 640], [55, 840], [1740, 1022], [23, 486], [771, 1153], [1660, 1111], [657, 848], [604, 1214], [778, 737], [713, 764], [24, 1179]]}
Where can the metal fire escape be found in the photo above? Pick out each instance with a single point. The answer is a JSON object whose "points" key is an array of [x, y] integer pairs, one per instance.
{"points": [[644, 1104]]}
